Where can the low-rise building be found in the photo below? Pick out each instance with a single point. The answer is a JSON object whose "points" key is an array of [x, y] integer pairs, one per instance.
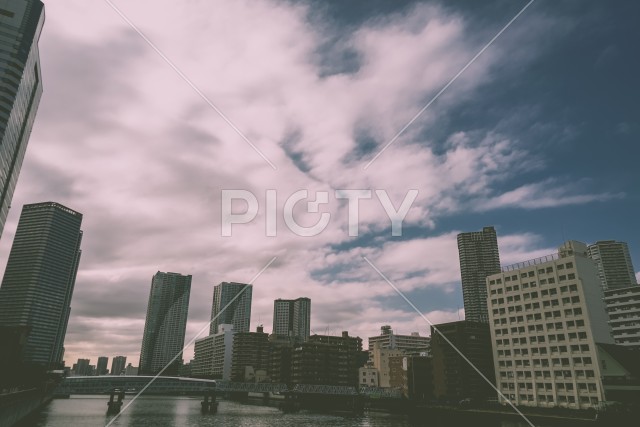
{"points": [[327, 360], [455, 378]]}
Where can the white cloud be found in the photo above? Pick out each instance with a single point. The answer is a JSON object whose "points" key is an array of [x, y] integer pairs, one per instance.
{"points": [[121, 138]]}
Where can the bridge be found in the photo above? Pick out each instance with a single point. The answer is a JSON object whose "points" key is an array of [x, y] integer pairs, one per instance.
{"points": [[133, 384]]}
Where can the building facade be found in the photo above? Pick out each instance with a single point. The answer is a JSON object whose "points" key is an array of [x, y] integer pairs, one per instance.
{"points": [[251, 353], [380, 359], [623, 308], [213, 355], [232, 306], [102, 365], [40, 277], [547, 315], [327, 360], [118, 365], [454, 378], [21, 23], [614, 264], [165, 324], [409, 344], [479, 258], [292, 318]]}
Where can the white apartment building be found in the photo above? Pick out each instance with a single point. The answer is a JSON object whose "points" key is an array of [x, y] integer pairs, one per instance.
{"points": [[546, 316], [413, 344], [213, 354], [623, 307]]}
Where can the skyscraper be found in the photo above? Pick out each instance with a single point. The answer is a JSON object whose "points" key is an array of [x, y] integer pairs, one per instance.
{"points": [[237, 296], [118, 365], [166, 323], [40, 276], [292, 318], [101, 366], [614, 264], [479, 258], [21, 22]]}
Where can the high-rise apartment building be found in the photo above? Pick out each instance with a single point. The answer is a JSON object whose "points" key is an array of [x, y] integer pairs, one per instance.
{"points": [[21, 22], [166, 323], [479, 258], [118, 365], [414, 343], [232, 306], [39, 279], [102, 365], [623, 307], [213, 355], [614, 264], [547, 316], [292, 318]]}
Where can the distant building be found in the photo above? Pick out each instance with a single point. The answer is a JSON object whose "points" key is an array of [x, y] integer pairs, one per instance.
{"points": [[327, 360], [368, 376], [21, 23], [81, 368], [380, 359], [396, 373], [409, 344], [614, 264], [479, 258], [292, 318], [40, 277], [118, 364], [623, 308], [232, 306], [251, 353], [454, 378], [280, 353], [418, 378], [165, 324], [101, 366], [131, 370], [213, 355], [547, 315]]}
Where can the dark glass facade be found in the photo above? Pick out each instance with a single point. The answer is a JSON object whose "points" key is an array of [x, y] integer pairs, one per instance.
{"points": [[40, 276], [227, 309], [479, 258], [166, 323], [21, 22]]}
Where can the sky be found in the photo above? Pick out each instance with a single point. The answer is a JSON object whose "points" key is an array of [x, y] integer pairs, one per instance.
{"points": [[537, 137]]}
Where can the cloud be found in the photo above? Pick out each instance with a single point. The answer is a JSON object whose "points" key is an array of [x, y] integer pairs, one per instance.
{"points": [[547, 194], [124, 140]]}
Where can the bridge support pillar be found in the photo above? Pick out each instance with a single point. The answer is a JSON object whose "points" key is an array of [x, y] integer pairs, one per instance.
{"points": [[290, 403], [209, 406], [114, 406]]}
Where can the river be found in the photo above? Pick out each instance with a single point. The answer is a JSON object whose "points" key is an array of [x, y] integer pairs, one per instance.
{"points": [[86, 411]]}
